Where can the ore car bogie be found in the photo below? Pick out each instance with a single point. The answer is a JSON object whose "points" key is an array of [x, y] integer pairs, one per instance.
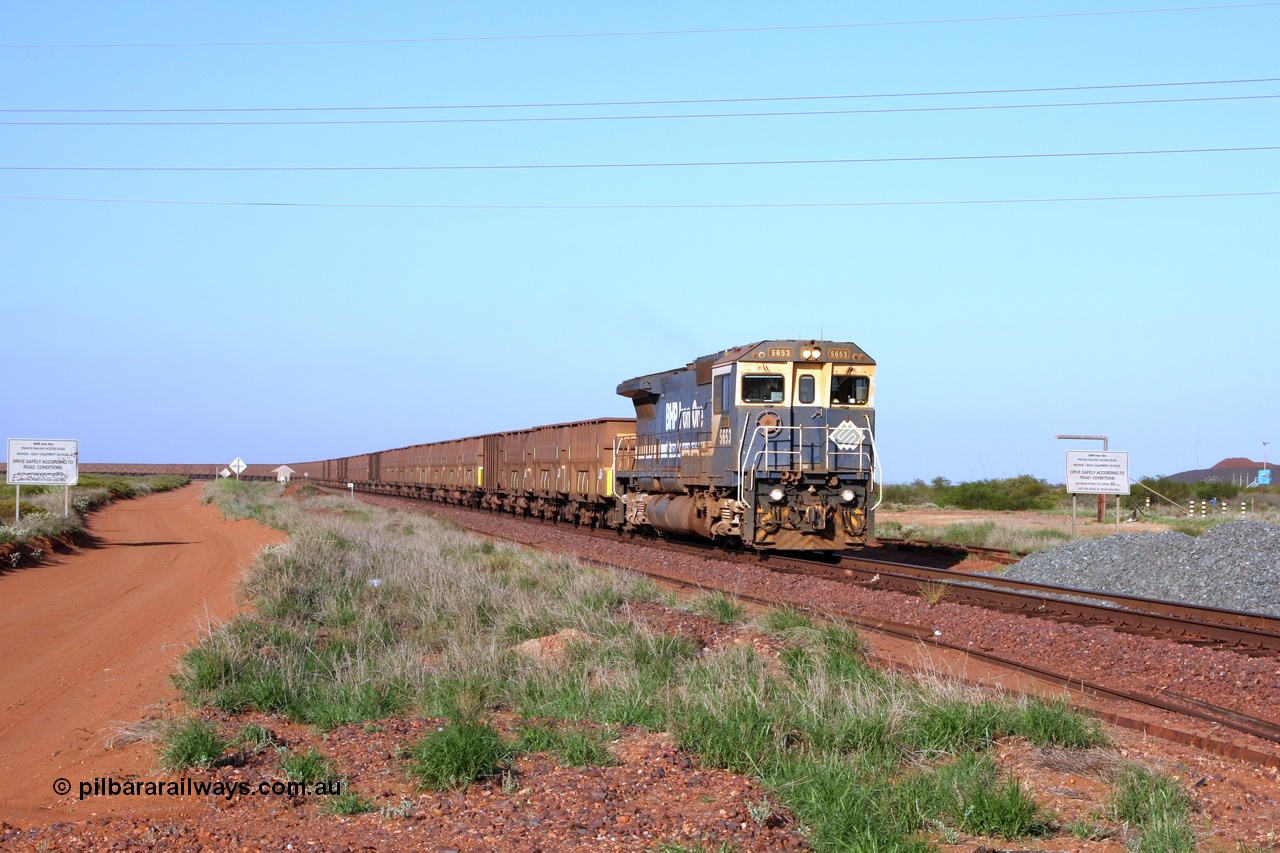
{"points": [[770, 445]]}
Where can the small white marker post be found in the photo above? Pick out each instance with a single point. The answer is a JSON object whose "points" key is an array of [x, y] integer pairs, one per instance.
{"points": [[352, 487]]}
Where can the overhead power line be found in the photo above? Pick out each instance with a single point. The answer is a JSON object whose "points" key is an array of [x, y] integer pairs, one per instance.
{"points": [[647, 33], [649, 165], [670, 102], [731, 206], [652, 116]]}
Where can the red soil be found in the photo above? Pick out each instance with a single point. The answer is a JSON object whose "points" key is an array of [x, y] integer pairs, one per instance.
{"points": [[88, 642]]}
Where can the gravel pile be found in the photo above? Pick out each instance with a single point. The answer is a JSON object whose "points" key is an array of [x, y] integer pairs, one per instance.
{"points": [[1235, 566]]}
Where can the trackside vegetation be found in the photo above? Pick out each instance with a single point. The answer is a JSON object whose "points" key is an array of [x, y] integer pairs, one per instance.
{"points": [[365, 614], [1027, 493], [1168, 505], [1014, 493]]}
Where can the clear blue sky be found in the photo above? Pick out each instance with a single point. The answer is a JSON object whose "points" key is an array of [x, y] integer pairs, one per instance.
{"points": [[281, 314]]}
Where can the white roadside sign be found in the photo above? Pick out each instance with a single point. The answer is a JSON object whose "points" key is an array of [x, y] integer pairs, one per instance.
{"points": [[238, 466], [43, 462], [1097, 472]]}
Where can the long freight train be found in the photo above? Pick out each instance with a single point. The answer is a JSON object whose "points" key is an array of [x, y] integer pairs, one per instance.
{"points": [[771, 445]]}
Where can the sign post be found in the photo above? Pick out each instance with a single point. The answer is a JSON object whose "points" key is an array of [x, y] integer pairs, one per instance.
{"points": [[1102, 499], [1097, 472], [238, 466], [42, 462]]}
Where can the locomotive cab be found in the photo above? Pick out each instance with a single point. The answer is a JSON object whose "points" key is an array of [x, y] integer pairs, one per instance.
{"points": [[771, 443]]}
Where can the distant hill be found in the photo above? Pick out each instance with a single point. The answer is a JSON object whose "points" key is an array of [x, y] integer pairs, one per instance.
{"points": [[1238, 462], [1237, 469]]}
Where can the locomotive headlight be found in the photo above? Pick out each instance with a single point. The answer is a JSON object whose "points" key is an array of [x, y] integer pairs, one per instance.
{"points": [[804, 353], [777, 495], [816, 354], [810, 354], [847, 496]]}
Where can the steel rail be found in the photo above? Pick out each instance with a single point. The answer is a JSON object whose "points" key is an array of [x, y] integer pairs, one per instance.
{"points": [[1250, 632], [1195, 612]]}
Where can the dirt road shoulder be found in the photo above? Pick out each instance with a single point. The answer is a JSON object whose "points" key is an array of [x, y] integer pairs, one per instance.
{"points": [[88, 642]]}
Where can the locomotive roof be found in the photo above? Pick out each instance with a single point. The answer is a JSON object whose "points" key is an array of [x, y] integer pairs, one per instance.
{"points": [[765, 351]]}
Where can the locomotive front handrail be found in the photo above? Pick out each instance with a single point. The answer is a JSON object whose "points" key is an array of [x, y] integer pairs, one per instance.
{"points": [[752, 459]]}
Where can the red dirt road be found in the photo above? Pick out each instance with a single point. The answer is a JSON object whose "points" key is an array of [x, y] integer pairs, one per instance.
{"points": [[88, 642]]}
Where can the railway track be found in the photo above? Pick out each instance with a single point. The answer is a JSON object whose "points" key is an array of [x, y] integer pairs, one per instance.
{"points": [[1148, 705], [1251, 633], [1170, 701]]}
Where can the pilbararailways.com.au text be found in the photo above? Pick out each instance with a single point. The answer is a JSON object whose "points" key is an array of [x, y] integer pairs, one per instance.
{"points": [[187, 787]]}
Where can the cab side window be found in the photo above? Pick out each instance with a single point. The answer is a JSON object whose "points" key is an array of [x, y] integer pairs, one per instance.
{"points": [[850, 390], [719, 393], [762, 389]]}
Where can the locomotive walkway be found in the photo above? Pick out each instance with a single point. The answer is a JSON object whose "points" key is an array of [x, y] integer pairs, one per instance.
{"points": [[88, 641]]}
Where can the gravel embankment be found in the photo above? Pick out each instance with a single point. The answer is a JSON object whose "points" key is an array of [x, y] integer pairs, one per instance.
{"points": [[1235, 566]]}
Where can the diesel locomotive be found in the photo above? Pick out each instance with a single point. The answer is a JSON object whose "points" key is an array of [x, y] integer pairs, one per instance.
{"points": [[769, 445]]}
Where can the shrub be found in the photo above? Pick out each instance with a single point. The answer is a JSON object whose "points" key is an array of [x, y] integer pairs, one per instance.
{"points": [[1023, 492], [911, 494], [1015, 493], [7, 513]]}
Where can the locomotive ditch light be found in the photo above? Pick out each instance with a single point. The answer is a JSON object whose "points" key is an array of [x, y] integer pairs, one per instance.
{"points": [[777, 495], [847, 496]]}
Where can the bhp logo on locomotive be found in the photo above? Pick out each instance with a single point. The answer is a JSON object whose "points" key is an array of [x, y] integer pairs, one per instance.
{"points": [[681, 418]]}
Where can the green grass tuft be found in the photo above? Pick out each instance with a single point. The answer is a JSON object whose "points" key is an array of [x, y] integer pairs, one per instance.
{"points": [[306, 767], [350, 803], [721, 608], [1157, 807], [191, 743], [458, 754]]}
